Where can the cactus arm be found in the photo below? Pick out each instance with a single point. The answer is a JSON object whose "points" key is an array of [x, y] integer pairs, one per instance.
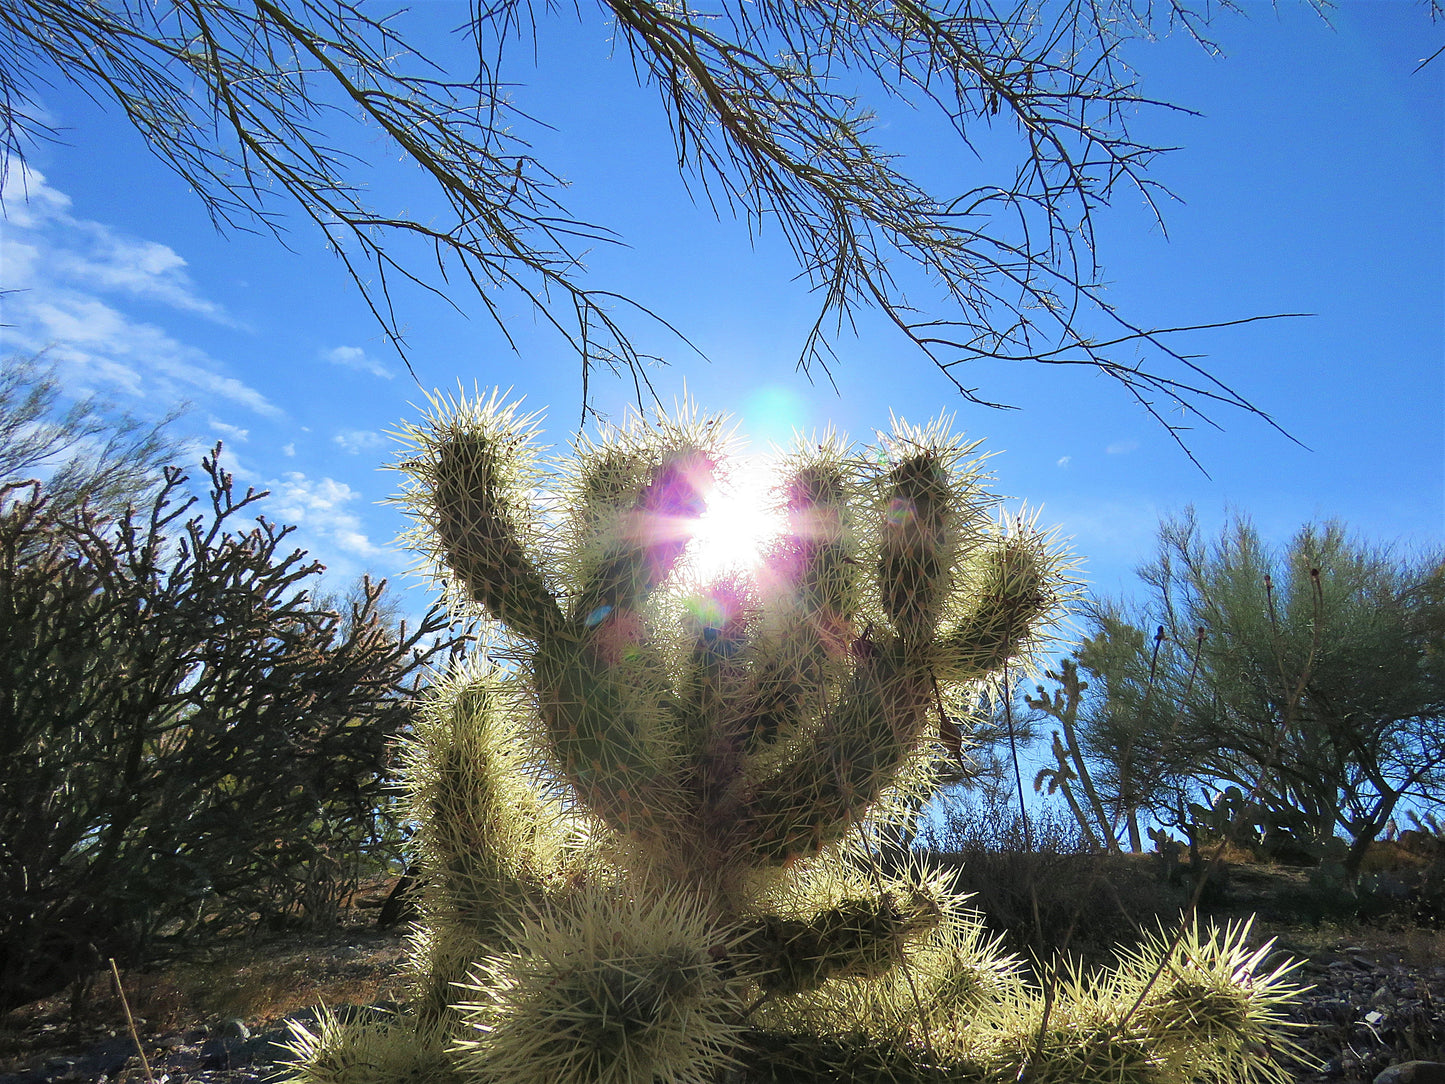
{"points": [[715, 673], [631, 556], [858, 937], [488, 843], [766, 677], [1068, 714], [1064, 706], [918, 538], [863, 743], [482, 831], [476, 528], [870, 733], [874, 727], [610, 713], [811, 584], [1011, 599], [607, 988], [611, 728]]}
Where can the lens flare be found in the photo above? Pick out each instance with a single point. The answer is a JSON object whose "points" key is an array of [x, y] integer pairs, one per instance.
{"points": [[901, 512], [742, 515]]}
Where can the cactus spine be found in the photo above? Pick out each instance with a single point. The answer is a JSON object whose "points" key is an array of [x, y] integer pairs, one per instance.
{"points": [[644, 817]]}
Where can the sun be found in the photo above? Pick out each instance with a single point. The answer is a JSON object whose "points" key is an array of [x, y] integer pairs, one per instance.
{"points": [[741, 517]]}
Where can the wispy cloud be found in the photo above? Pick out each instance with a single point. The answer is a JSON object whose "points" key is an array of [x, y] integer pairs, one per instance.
{"points": [[101, 346], [84, 252], [1064, 461], [230, 432], [320, 509], [67, 274], [355, 441], [27, 200], [1122, 447], [353, 357]]}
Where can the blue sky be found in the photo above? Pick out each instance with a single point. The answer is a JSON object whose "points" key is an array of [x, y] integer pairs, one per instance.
{"points": [[1313, 182]]}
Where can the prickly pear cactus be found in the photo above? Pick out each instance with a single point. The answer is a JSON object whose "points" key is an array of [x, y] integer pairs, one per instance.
{"points": [[647, 812]]}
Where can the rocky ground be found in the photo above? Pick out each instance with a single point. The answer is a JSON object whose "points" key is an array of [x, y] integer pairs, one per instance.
{"points": [[1369, 1010], [1378, 1000]]}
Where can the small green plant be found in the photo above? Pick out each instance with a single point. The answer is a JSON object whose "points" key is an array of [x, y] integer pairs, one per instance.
{"points": [[648, 816]]}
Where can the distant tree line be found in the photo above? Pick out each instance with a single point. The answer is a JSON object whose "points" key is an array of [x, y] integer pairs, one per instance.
{"points": [[193, 737]]}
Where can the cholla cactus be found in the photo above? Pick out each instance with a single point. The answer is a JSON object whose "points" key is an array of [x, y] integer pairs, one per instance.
{"points": [[645, 816]]}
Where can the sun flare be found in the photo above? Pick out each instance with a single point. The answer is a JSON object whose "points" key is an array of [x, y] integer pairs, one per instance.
{"points": [[741, 518]]}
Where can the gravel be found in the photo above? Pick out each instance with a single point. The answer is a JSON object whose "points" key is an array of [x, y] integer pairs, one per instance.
{"points": [[1367, 1013]]}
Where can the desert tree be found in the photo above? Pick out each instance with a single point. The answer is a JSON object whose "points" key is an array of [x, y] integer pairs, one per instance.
{"points": [[769, 108], [648, 814], [1306, 677], [87, 453]]}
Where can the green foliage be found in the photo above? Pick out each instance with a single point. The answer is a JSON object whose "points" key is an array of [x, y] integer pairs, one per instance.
{"points": [[187, 737], [649, 823], [1306, 683]]}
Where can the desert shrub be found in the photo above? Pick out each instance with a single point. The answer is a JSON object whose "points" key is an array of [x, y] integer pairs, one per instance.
{"points": [[189, 738], [1035, 880], [1287, 695], [87, 452]]}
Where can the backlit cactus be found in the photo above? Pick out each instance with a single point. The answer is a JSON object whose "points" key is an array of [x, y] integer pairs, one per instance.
{"points": [[646, 815]]}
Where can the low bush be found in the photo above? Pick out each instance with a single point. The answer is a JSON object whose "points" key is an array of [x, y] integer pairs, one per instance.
{"points": [[1037, 883]]}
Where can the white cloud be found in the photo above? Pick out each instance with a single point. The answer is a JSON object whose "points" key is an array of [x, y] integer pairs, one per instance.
{"points": [[27, 200], [353, 357], [231, 432], [354, 441], [20, 264], [84, 252], [145, 269], [1064, 461], [288, 450], [318, 508], [98, 345], [66, 271], [1122, 447]]}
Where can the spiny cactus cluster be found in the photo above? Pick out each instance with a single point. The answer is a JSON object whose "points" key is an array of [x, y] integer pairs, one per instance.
{"points": [[647, 813]]}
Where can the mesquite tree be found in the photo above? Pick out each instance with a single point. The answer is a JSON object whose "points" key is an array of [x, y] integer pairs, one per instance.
{"points": [[255, 104], [647, 817], [1307, 676]]}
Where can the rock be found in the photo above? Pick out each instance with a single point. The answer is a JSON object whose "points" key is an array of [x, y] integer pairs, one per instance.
{"points": [[1413, 1072], [232, 1029], [268, 1048]]}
